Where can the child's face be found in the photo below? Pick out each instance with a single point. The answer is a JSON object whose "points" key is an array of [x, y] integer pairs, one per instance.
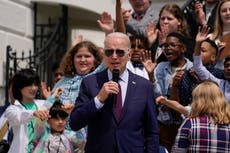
{"points": [[57, 124], [137, 48], [29, 92], [208, 53]]}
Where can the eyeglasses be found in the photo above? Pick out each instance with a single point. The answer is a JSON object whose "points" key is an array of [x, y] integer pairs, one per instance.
{"points": [[171, 45], [119, 52]]}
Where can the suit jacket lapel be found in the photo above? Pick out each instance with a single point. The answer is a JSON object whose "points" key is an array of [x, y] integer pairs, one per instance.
{"points": [[102, 78]]}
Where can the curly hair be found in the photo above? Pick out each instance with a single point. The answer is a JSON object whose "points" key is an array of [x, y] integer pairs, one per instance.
{"points": [[67, 63], [209, 100]]}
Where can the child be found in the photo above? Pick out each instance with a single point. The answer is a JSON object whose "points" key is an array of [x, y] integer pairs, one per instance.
{"points": [[207, 128], [21, 115], [54, 137]]}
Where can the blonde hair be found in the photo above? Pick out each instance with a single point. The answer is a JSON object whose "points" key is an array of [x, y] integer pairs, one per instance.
{"points": [[218, 22], [208, 100]]}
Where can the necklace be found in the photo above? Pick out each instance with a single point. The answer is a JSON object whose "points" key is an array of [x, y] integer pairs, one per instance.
{"points": [[176, 69]]}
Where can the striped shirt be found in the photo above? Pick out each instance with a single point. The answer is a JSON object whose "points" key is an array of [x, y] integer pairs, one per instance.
{"points": [[201, 135]]}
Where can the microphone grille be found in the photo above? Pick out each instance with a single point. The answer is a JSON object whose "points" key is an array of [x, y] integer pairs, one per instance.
{"points": [[115, 73]]}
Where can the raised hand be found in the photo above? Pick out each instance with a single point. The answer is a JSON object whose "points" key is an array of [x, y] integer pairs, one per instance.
{"points": [[221, 45], [200, 15], [126, 15], [148, 64], [57, 92], [163, 34], [151, 33], [119, 17], [46, 92], [106, 23], [77, 40], [202, 34], [147, 61]]}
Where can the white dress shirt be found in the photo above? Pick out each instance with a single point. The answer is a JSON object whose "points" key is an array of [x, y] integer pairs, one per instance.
{"points": [[136, 70], [123, 81]]}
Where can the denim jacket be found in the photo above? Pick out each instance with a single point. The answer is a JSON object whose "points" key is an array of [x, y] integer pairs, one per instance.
{"points": [[163, 76]]}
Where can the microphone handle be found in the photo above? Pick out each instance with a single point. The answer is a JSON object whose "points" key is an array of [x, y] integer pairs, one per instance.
{"points": [[114, 96], [115, 75]]}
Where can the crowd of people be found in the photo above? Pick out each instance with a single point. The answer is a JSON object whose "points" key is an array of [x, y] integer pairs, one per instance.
{"points": [[158, 85]]}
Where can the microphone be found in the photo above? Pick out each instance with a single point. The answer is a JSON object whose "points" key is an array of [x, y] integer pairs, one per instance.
{"points": [[115, 74]]}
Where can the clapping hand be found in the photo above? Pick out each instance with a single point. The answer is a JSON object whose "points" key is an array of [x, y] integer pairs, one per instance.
{"points": [[151, 33], [163, 34], [126, 15]]}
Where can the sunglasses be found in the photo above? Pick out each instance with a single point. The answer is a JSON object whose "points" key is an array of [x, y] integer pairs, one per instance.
{"points": [[119, 52]]}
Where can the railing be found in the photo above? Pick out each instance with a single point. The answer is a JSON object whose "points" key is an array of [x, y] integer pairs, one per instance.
{"points": [[54, 45]]}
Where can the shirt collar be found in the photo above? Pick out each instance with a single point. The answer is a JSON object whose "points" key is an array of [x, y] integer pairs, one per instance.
{"points": [[136, 16], [124, 76]]}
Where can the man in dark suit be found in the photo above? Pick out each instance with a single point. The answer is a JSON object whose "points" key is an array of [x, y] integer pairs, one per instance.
{"points": [[127, 125]]}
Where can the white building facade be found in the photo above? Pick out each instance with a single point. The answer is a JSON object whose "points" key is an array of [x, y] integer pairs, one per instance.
{"points": [[17, 23]]}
